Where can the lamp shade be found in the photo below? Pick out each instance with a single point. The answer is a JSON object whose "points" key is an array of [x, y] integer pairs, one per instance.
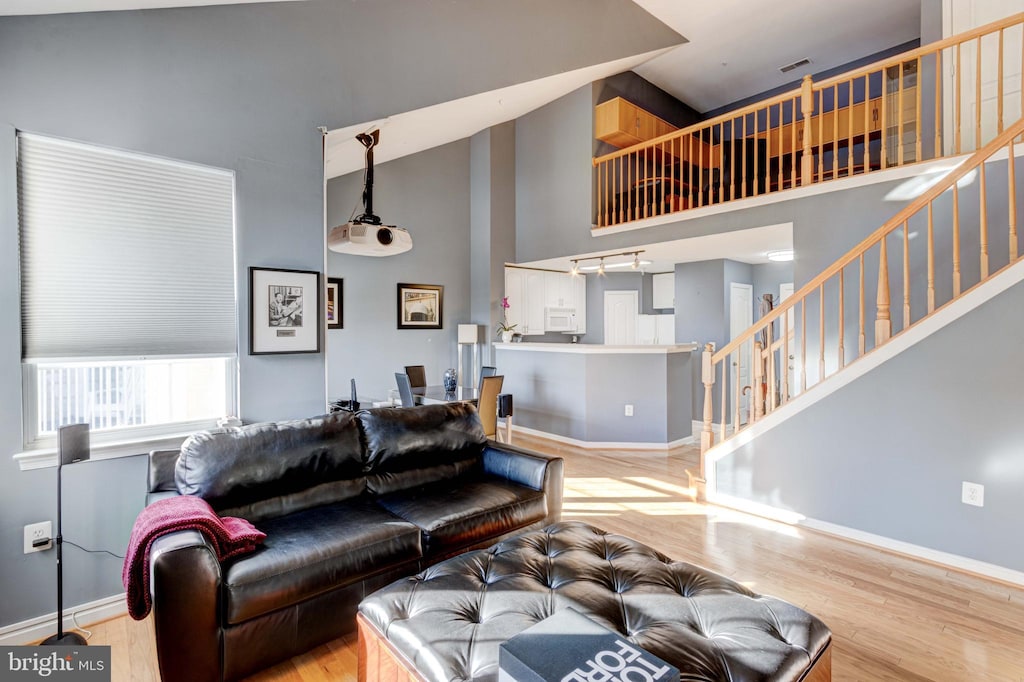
{"points": [[469, 333]]}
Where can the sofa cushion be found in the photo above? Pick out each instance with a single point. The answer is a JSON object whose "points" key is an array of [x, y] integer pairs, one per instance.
{"points": [[316, 550], [272, 469], [416, 446], [462, 513]]}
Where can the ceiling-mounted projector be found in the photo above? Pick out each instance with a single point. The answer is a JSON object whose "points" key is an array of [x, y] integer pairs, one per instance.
{"points": [[367, 235]]}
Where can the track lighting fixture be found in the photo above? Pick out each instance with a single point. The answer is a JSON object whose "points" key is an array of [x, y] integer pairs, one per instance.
{"points": [[635, 264]]}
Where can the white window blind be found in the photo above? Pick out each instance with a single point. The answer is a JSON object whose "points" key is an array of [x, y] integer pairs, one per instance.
{"points": [[123, 254]]}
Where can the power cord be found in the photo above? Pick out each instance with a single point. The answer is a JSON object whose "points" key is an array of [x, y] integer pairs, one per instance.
{"points": [[93, 551], [74, 620]]}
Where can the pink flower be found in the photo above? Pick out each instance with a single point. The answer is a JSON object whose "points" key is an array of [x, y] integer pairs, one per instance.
{"points": [[504, 303]]}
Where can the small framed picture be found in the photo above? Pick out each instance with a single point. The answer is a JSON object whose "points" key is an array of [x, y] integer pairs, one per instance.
{"points": [[284, 311], [420, 306], [335, 313]]}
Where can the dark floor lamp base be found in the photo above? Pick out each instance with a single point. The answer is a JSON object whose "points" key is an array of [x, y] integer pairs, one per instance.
{"points": [[67, 639]]}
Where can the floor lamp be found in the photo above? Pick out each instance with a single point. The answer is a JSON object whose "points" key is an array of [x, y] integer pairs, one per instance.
{"points": [[72, 446], [469, 335]]}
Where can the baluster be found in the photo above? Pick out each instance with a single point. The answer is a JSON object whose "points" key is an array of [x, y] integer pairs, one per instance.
{"points": [[743, 153], [906, 275], [785, 356], [732, 159], [821, 135], [754, 386], [737, 391], [700, 166], [722, 181], [849, 131], [956, 241], [842, 319], [883, 325], [600, 197], [999, 87], [931, 260], [620, 180], [957, 139], [782, 150], [807, 110], [707, 435], [757, 169], [899, 117], [807, 165], [1012, 193], [724, 391], [917, 114], [689, 176], [977, 97], [644, 182], [835, 131], [867, 123], [803, 345], [821, 332], [772, 403], [758, 391], [884, 151], [768, 150], [861, 340], [983, 219], [938, 104]]}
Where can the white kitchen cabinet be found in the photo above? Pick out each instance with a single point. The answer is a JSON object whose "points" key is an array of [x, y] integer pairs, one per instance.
{"points": [[534, 293], [647, 330], [558, 290], [579, 284], [515, 292], [664, 296], [659, 330], [666, 329]]}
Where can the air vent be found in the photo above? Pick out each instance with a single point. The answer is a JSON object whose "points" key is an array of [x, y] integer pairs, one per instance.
{"points": [[795, 65]]}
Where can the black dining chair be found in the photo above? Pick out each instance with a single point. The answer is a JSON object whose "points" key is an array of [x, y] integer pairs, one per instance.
{"points": [[405, 389], [417, 375], [485, 371]]}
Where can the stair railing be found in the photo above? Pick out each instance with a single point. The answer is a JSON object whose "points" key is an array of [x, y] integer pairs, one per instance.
{"points": [[970, 234], [872, 118]]}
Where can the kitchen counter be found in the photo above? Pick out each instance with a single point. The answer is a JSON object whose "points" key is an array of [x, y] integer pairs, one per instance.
{"points": [[630, 397], [597, 348]]}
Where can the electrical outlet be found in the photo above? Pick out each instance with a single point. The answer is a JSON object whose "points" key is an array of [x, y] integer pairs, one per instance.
{"points": [[973, 493], [629, 410], [34, 532]]}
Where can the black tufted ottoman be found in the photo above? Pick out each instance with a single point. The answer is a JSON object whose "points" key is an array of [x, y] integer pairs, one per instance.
{"points": [[447, 622]]}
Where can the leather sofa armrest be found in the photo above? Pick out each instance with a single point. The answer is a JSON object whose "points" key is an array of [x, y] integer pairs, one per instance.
{"points": [[185, 584], [530, 469]]}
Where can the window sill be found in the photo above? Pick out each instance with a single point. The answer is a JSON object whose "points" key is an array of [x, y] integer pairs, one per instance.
{"points": [[43, 458]]}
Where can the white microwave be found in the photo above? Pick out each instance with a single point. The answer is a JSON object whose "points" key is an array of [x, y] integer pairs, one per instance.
{"points": [[559, 319]]}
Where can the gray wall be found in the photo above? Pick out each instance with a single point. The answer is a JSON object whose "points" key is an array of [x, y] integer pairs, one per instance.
{"points": [[887, 453], [243, 87], [767, 278], [427, 193]]}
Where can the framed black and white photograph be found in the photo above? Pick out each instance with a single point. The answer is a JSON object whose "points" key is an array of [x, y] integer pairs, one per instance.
{"points": [[284, 311], [335, 313], [420, 306]]}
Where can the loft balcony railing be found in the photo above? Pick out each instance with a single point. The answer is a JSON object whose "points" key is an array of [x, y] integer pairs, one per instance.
{"points": [[955, 236], [940, 100]]}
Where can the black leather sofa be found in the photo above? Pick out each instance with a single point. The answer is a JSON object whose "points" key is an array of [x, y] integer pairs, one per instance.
{"points": [[349, 503]]}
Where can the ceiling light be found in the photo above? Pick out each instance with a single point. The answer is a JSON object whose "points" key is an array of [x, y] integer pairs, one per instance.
{"points": [[612, 266], [783, 256], [575, 268], [636, 261], [600, 268]]}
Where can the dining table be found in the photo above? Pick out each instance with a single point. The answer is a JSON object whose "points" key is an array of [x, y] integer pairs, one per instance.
{"points": [[435, 395]]}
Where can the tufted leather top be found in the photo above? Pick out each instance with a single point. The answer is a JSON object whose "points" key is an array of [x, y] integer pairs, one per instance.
{"points": [[450, 619]]}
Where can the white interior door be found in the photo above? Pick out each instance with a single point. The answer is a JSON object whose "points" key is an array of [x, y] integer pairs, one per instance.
{"points": [[741, 316], [785, 291], [621, 317]]}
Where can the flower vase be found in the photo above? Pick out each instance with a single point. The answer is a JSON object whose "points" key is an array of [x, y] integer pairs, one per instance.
{"points": [[506, 337], [451, 380]]}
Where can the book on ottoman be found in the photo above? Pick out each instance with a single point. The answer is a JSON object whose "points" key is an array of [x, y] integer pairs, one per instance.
{"points": [[569, 647]]}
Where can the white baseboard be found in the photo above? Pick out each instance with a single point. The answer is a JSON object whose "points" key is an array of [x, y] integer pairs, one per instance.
{"points": [[602, 445], [934, 556], [41, 627]]}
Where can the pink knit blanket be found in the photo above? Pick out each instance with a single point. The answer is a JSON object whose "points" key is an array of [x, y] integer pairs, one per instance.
{"points": [[229, 536]]}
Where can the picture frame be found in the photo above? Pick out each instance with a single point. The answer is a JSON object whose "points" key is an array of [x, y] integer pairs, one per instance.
{"points": [[334, 310], [285, 311], [420, 306]]}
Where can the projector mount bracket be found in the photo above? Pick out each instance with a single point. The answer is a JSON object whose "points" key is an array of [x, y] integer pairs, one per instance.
{"points": [[369, 141]]}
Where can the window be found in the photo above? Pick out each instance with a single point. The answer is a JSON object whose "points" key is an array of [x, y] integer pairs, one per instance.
{"points": [[128, 292]]}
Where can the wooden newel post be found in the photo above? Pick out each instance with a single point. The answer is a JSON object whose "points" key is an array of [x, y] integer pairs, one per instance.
{"points": [[883, 323], [807, 109], [707, 373]]}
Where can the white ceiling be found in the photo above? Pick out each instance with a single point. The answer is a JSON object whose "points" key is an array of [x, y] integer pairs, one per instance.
{"points": [[414, 131], [9, 7], [736, 47], [746, 246]]}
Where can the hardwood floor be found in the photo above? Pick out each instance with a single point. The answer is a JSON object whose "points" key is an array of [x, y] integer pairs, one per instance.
{"points": [[892, 617]]}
